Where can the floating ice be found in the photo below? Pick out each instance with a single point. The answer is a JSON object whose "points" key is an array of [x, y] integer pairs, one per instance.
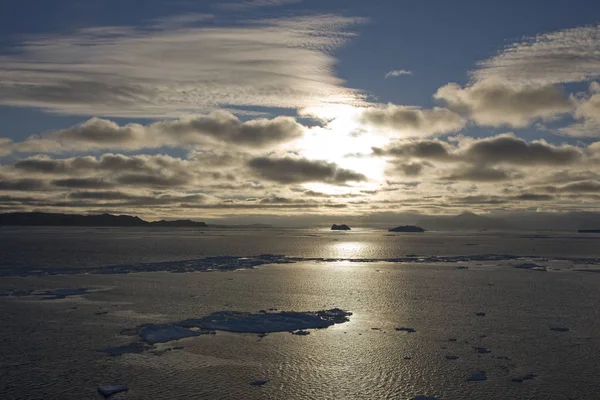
{"points": [[259, 382], [477, 377], [531, 266], [60, 293], [109, 390], [523, 378], [243, 322], [481, 350], [131, 348], [166, 333], [232, 263], [301, 333]]}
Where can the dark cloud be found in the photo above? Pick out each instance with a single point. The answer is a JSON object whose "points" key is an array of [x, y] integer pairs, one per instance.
{"points": [[482, 174], [497, 103], [22, 184], [220, 127], [426, 149], [291, 170], [82, 183], [512, 150], [413, 121]]}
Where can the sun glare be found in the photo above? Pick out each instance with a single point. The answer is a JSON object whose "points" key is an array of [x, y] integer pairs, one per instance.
{"points": [[344, 141]]}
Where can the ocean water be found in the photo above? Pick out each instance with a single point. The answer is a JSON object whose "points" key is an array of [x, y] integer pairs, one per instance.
{"points": [[55, 346]]}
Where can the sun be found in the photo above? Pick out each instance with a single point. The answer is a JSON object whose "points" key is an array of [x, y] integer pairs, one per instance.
{"points": [[344, 141]]}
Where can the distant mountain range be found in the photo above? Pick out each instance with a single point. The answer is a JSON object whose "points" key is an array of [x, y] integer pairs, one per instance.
{"points": [[571, 221], [466, 220], [51, 219]]}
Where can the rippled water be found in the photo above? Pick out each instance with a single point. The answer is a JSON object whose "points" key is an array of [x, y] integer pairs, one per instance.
{"points": [[50, 348]]}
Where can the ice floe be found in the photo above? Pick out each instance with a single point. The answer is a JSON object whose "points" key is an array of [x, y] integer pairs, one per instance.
{"points": [[259, 382], [481, 350], [109, 390], [232, 263], [523, 378], [480, 376], [531, 266], [241, 322]]}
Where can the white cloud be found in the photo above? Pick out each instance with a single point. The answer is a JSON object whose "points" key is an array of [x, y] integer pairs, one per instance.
{"points": [[571, 55], [397, 72], [495, 103], [159, 72]]}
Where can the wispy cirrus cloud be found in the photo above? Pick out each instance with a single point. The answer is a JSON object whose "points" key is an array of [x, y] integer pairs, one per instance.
{"points": [[570, 55], [397, 72], [249, 4], [166, 71]]}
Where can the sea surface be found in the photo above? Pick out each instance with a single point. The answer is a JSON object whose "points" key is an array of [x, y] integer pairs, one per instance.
{"points": [[518, 308]]}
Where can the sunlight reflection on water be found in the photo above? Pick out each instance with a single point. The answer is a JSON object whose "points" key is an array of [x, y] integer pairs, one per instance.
{"points": [[348, 249]]}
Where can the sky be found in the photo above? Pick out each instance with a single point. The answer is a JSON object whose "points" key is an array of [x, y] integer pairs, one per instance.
{"points": [[291, 110]]}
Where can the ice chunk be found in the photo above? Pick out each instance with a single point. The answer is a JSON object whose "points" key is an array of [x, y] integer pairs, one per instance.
{"points": [[62, 293], [109, 390], [131, 348], [531, 266], [481, 350], [523, 378], [301, 333], [243, 322], [259, 382], [477, 377], [165, 333]]}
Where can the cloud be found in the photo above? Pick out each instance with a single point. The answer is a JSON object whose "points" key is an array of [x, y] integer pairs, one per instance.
{"points": [[160, 72], [291, 170], [397, 72], [477, 174], [498, 103], [219, 127], [413, 121], [249, 4], [509, 149], [110, 170], [501, 149], [570, 55], [425, 149]]}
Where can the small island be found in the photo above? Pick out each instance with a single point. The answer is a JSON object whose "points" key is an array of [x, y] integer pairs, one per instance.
{"points": [[407, 228], [342, 227]]}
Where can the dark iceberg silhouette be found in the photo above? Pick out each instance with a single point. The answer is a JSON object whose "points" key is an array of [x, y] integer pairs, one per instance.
{"points": [[342, 227], [407, 228]]}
